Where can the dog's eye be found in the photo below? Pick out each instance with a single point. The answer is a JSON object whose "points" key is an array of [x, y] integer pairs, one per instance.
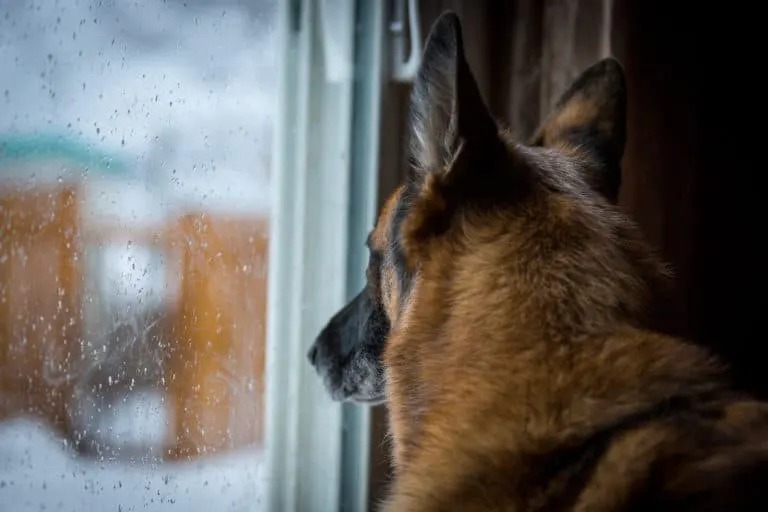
{"points": [[373, 268], [386, 286]]}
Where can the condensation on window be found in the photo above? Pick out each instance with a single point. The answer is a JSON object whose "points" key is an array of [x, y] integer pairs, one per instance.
{"points": [[135, 145]]}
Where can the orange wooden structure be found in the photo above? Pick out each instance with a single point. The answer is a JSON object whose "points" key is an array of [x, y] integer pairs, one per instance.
{"points": [[217, 365], [40, 294], [214, 332]]}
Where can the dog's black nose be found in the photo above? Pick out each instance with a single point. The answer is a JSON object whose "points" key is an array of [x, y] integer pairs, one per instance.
{"points": [[312, 354]]}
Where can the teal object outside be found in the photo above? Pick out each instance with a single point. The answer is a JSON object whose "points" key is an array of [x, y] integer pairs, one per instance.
{"points": [[34, 146]]}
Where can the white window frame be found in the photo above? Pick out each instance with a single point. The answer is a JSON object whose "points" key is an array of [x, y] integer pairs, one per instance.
{"points": [[325, 176]]}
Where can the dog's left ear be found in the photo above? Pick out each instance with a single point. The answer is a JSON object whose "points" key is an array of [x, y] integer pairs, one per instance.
{"points": [[447, 111], [591, 115]]}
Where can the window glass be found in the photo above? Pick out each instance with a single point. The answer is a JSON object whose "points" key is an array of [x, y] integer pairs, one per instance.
{"points": [[135, 153]]}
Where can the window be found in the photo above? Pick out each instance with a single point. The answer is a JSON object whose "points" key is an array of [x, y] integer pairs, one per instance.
{"points": [[184, 190]]}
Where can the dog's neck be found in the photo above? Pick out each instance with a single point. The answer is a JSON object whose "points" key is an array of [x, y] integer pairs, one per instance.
{"points": [[485, 331]]}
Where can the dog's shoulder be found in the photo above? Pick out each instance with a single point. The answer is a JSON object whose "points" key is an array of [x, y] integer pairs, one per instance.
{"points": [[700, 453]]}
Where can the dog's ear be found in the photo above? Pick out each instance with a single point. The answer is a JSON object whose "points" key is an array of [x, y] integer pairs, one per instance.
{"points": [[454, 139], [447, 111], [591, 115]]}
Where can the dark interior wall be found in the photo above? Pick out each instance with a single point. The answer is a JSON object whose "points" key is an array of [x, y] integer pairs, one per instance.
{"points": [[660, 161], [691, 164], [688, 177], [728, 225]]}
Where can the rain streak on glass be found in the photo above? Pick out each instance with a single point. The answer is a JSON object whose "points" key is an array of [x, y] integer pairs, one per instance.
{"points": [[134, 183]]}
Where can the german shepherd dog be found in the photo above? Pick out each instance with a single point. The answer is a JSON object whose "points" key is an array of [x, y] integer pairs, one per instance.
{"points": [[508, 322]]}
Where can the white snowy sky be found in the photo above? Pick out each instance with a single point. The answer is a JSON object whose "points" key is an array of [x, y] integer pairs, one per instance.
{"points": [[182, 90]]}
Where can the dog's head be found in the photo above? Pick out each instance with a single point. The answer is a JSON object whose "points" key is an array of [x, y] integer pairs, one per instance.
{"points": [[468, 184]]}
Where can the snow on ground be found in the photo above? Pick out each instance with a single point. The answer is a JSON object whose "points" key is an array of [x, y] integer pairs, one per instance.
{"points": [[38, 474]]}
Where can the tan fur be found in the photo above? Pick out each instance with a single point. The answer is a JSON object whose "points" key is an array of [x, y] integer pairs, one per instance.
{"points": [[523, 370], [576, 113]]}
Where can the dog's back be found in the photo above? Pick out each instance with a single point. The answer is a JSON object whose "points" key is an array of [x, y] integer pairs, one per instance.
{"points": [[638, 424]]}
